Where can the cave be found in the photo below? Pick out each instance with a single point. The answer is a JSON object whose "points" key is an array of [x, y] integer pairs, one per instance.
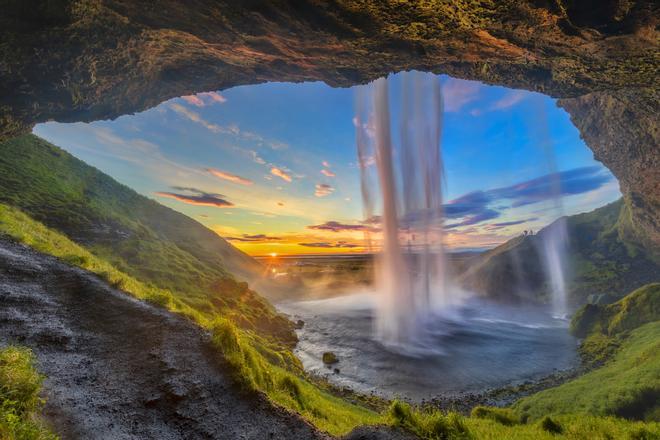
{"points": [[98, 59]]}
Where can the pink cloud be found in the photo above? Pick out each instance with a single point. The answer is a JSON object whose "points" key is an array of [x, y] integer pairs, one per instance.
{"points": [[229, 176], [328, 173], [326, 164], [205, 98], [194, 100], [323, 189], [280, 173]]}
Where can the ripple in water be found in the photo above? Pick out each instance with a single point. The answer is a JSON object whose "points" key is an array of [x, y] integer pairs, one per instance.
{"points": [[474, 347]]}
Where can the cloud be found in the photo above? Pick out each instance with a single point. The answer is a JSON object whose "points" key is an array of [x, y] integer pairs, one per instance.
{"points": [[457, 93], [326, 164], [280, 173], [328, 173], [193, 100], [486, 214], [323, 189], [205, 98], [229, 176], [564, 183], [195, 117], [509, 100], [256, 158], [254, 238], [198, 197], [478, 206], [501, 225], [325, 244], [338, 227]]}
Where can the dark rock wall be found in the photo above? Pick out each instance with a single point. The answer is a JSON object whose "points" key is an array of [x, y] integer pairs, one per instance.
{"points": [[82, 60]]}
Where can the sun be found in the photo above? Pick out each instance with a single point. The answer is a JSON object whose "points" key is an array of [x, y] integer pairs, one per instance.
{"points": [[273, 254]]}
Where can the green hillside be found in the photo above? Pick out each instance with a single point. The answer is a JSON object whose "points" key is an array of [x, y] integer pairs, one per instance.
{"points": [[134, 234], [602, 258], [623, 341]]}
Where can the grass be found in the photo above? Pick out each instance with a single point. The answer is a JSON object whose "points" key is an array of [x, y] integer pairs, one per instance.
{"points": [[626, 386], [20, 384], [259, 363], [135, 235]]}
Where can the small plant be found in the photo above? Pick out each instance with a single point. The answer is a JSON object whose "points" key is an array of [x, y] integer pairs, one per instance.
{"points": [[549, 425], [504, 416]]}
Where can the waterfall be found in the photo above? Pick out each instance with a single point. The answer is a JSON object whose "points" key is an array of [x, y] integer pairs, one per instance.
{"points": [[554, 240], [403, 183]]}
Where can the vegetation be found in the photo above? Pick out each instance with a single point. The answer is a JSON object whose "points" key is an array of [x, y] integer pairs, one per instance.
{"points": [[260, 355], [624, 338], [135, 235], [604, 256], [258, 363], [20, 384]]}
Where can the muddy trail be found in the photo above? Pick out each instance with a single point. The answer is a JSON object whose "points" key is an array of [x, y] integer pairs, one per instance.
{"points": [[117, 368]]}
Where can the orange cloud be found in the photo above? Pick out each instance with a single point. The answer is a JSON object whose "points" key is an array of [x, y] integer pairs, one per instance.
{"points": [[229, 176], [328, 173], [280, 173]]}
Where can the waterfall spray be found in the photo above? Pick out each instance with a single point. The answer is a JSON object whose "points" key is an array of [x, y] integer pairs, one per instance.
{"points": [[554, 240], [404, 182]]}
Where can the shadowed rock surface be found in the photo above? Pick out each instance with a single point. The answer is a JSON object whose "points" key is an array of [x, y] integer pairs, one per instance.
{"points": [[82, 60], [120, 369]]}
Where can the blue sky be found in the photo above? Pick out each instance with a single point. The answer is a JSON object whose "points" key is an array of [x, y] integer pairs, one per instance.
{"points": [[265, 164]]}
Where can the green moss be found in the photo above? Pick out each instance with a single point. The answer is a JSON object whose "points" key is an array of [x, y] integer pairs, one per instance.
{"points": [[330, 358]]}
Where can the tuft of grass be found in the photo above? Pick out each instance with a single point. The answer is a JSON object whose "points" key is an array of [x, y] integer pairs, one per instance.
{"points": [[427, 424], [551, 426], [20, 384], [504, 416]]}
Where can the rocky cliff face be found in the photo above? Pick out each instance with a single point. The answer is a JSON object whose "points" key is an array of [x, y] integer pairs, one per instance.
{"points": [[81, 60]]}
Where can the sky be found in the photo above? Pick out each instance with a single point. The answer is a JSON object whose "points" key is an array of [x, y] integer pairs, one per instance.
{"points": [[273, 167]]}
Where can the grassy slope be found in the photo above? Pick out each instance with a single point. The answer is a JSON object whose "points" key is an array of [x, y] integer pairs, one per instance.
{"points": [[258, 363], [625, 386], [20, 384], [623, 339], [603, 258], [134, 234]]}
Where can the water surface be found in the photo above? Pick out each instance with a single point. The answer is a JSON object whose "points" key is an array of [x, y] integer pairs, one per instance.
{"points": [[478, 346]]}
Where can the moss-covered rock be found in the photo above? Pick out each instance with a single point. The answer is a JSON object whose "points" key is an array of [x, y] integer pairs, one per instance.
{"points": [[330, 358]]}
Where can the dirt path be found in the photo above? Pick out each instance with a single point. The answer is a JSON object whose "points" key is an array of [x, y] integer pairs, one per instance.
{"points": [[120, 369]]}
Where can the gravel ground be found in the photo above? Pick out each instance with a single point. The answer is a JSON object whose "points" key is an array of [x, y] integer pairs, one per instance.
{"points": [[120, 369]]}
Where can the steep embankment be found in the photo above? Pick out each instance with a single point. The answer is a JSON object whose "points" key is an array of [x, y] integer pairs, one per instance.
{"points": [[119, 368], [602, 257], [622, 342], [136, 235]]}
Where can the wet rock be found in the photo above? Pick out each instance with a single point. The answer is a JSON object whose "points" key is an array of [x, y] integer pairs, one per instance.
{"points": [[329, 358]]}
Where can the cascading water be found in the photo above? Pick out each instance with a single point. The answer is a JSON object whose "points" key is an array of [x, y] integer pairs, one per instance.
{"points": [[404, 183], [554, 240]]}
